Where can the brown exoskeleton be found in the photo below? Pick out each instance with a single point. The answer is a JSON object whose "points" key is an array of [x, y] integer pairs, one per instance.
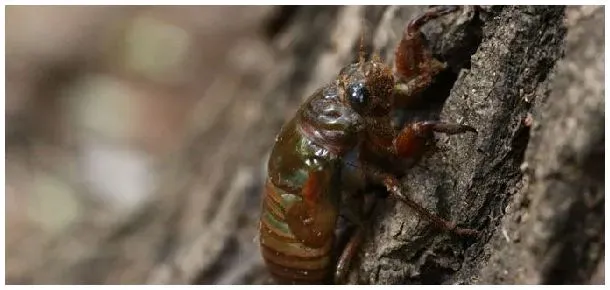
{"points": [[340, 140]]}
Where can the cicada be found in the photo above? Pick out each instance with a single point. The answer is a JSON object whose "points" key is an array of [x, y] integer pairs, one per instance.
{"points": [[341, 139]]}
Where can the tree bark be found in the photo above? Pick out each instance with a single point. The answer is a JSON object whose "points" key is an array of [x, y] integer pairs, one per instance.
{"points": [[527, 180]]}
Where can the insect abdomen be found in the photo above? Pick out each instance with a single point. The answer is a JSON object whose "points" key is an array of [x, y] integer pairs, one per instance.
{"points": [[288, 259], [299, 210]]}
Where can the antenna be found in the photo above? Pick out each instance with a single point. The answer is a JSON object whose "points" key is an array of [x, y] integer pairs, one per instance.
{"points": [[361, 58]]}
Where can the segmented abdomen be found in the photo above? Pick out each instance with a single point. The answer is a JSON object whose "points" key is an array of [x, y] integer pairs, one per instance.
{"points": [[288, 259]]}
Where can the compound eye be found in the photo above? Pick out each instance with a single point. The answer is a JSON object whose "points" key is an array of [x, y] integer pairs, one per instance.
{"points": [[358, 96]]}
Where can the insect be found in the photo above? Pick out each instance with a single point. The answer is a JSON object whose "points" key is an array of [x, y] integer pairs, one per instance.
{"points": [[341, 139]]}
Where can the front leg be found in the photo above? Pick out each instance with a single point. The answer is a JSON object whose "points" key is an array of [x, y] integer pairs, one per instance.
{"points": [[414, 64], [412, 141], [405, 146]]}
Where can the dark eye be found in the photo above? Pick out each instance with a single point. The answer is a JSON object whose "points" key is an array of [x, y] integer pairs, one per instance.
{"points": [[358, 95]]}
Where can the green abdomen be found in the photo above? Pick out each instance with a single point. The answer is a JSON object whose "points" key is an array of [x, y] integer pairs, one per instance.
{"points": [[289, 257]]}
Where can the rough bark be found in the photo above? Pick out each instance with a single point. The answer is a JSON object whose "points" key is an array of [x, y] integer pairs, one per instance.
{"points": [[530, 79], [539, 202]]}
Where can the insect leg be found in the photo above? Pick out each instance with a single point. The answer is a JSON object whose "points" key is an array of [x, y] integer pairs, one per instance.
{"points": [[414, 64], [350, 250], [433, 12], [449, 128], [355, 240], [413, 138], [393, 186]]}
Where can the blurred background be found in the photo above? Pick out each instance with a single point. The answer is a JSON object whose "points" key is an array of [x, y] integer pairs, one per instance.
{"points": [[137, 136], [103, 105]]}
